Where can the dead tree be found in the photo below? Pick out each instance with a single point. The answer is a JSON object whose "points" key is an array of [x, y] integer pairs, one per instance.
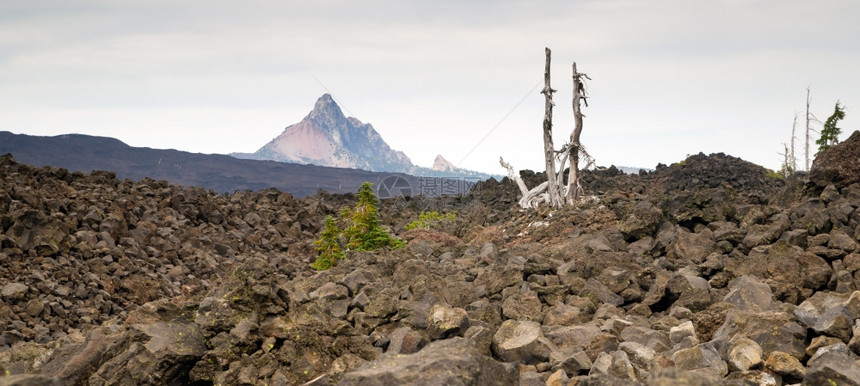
{"points": [[809, 119], [575, 147], [789, 162], [553, 191]]}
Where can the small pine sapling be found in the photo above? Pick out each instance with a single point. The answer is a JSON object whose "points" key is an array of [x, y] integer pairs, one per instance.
{"points": [[328, 246], [830, 132], [362, 231]]}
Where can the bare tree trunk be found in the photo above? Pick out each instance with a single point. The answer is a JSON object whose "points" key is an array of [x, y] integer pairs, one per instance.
{"points": [[572, 193], [792, 157], [807, 129], [553, 191], [548, 149]]}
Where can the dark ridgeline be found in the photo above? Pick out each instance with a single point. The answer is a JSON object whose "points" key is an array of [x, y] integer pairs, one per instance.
{"points": [[220, 173]]}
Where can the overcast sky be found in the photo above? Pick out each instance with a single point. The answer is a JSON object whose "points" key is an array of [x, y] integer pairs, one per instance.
{"points": [[670, 78]]}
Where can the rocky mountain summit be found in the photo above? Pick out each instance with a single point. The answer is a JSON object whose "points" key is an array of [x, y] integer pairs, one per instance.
{"points": [[710, 271], [326, 137], [442, 165]]}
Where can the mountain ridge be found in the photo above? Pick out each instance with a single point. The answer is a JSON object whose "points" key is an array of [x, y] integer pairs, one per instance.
{"points": [[219, 172]]}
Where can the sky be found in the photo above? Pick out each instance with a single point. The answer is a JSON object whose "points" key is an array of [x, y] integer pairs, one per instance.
{"points": [[670, 78]]}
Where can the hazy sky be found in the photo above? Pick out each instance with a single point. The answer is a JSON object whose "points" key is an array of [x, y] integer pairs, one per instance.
{"points": [[670, 78]]}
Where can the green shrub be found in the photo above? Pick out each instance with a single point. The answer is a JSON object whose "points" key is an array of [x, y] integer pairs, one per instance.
{"points": [[361, 233], [432, 220]]}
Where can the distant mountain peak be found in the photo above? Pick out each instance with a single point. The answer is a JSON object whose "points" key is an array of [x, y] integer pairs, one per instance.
{"points": [[326, 137], [326, 112], [442, 165]]}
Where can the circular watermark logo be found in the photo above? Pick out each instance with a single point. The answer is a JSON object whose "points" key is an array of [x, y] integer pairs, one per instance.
{"points": [[394, 186]]}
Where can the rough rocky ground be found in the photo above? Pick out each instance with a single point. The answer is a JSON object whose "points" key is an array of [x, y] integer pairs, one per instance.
{"points": [[709, 271]]}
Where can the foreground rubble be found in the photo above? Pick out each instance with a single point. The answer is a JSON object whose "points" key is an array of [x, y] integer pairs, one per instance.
{"points": [[706, 272]]}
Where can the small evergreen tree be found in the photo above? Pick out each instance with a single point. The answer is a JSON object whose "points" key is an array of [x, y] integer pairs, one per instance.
{"points": [[830, 132], [328, 246], [362, 231]]}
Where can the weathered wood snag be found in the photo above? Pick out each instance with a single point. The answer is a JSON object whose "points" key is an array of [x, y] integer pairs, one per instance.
{"points": [[553, 191]]}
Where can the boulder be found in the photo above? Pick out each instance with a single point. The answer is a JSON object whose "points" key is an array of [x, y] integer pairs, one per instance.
{"points": [[749, 294], [655, 340], [523, 306], [563, 315], [642, 221], [692, 247], [521, 341], [443, 362], [703, 359], [830, 313], [833, 368], [838, 165], [576, 336], [689, 291], [642, 358], [573, 362], [773, 331], [744, 354], [787, 366], [13, 291], [786, 269], [446, 321], [167, 349], [405, 340]]}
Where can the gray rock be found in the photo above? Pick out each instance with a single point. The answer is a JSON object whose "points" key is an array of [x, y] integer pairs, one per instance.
{"points": [[749, 294], [744, 354], [839, 347], [521, 341], [833, 368], [481, 337], [405, 340], [773, 331], [754, 377], [531, 379], [579, 336], [703, 358], [445, 322], [682, 332], [495, 280], [854, 343], [599, 292], [693, 247], [30, 380], [655, 340], [573, 362], [842, 241], [169, 349], [616, 365], [643, 359], [830, 313], [557, 378], [787, 366], [13, 291], [445, 362], [692, 292], [523, 306], [795, 237], [355, 281], [642, 221], [563, 315], [811, 216]]}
